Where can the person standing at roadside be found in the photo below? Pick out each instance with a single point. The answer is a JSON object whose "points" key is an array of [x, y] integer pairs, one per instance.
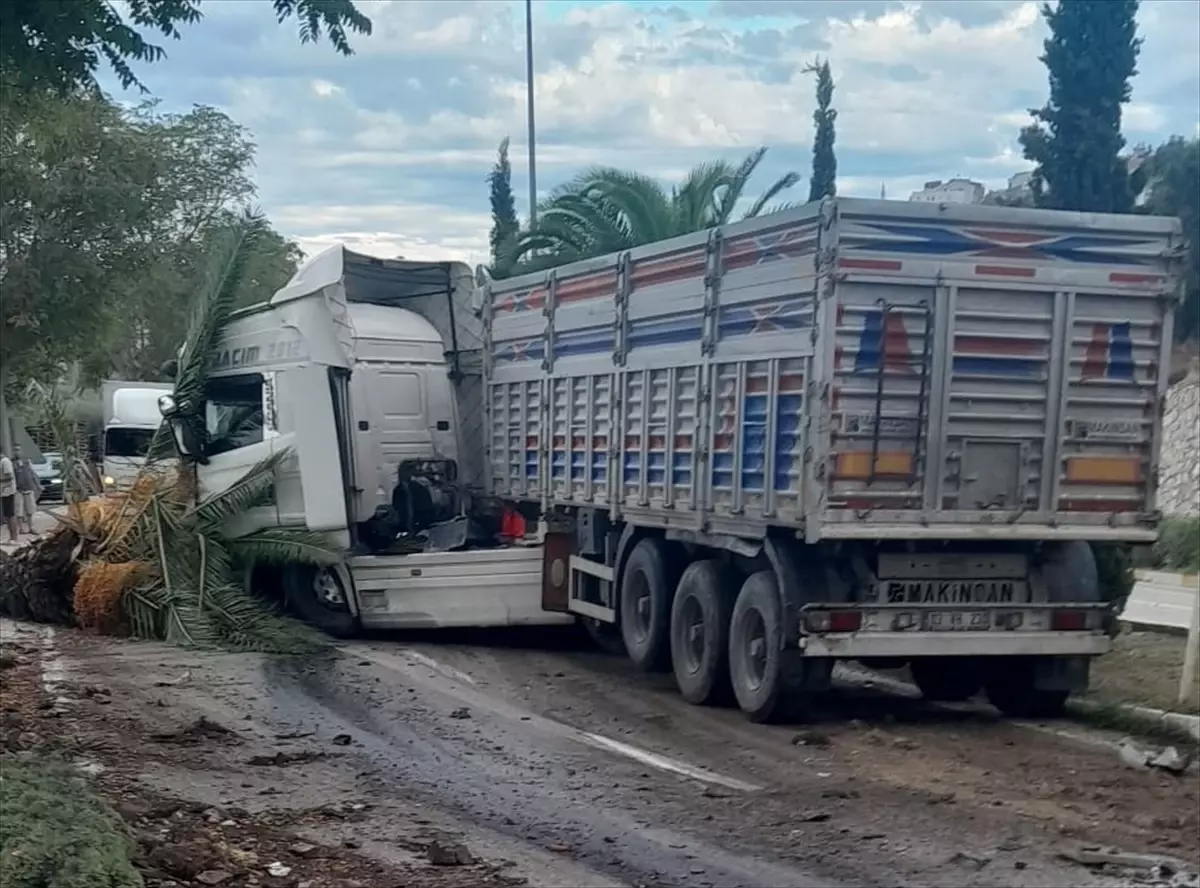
{"points": [[28, 488], [8, 496]]}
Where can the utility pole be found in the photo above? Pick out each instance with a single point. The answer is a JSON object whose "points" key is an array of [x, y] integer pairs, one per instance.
{"points": [[529, 100]]}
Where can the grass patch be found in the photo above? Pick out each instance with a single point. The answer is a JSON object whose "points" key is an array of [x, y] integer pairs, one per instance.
{"points": [[56, 833], [1178, 546], [1143, 669]]}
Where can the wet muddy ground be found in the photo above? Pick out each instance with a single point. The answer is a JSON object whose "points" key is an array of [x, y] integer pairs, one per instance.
{"points": [[552, 765]]}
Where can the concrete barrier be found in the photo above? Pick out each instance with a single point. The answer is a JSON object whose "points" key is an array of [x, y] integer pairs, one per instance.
{"points": [[1162, 599]]}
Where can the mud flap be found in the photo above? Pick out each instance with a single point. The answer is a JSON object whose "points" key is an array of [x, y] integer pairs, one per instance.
{"points": [[1061, 674], [556, 571]]}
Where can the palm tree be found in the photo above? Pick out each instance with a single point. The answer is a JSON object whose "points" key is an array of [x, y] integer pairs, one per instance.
{"points": [[606, 210], [156, 562]]}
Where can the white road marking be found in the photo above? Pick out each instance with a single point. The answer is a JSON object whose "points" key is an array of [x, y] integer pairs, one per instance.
{"points": [[473, 696], [447, 671], [663, 763]]}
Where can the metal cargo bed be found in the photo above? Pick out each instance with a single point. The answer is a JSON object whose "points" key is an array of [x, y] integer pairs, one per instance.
{"points": [[854, 369]]}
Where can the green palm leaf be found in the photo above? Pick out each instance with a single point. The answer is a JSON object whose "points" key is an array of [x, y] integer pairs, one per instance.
{"points": [[281, 546], [251, 490]]}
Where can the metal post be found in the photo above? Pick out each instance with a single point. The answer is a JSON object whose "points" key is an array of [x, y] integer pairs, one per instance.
{"points": [[529, 112], [1191, 655]]}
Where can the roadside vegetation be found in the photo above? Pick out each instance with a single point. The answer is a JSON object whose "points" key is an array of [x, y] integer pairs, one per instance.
{"points": [[1178, 546], [154, 562], [56, 833]]}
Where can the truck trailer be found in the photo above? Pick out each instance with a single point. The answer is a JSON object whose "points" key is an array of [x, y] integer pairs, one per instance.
{"points": [[855, 430]]}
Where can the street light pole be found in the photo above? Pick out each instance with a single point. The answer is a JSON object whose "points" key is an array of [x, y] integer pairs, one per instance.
{"points": [[529, 99]]}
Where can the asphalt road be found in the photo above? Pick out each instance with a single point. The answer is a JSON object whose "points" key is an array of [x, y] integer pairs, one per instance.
{"points": [[581, 772]]}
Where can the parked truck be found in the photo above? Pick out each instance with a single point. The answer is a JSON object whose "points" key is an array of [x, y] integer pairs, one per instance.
{"points": [[856, 430], [131, 417]]}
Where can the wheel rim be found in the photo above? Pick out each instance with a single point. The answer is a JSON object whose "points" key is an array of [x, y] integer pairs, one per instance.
{"points": [[754, 647], [691, 618], [640, 593], [328, 590]]}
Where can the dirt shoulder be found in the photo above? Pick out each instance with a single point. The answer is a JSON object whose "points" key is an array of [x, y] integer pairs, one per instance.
{"points": [[1143, 669], [184, 838]]}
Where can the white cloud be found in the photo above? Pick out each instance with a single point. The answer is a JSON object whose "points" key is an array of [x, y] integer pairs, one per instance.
{"points": [[391, 147]]}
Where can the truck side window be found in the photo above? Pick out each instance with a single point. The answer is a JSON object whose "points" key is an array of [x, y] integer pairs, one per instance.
{"points": [[233, 414]]}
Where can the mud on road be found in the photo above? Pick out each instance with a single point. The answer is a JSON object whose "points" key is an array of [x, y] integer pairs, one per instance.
{"points": [[559, 767]]}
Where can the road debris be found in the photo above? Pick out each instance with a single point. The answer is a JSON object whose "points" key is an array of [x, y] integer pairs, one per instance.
{"points": [[197, 732], [449, 854], [342, 740]]}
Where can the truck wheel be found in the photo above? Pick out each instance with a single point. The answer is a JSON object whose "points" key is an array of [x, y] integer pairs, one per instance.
{"points": [[766, 679], [647, 585], [700, 617], [605, 636], [316, 595], [946, 679], [1010, 689]]}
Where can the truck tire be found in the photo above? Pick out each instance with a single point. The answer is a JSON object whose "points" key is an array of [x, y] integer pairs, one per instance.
{"points": [[606, 636], [700, 616], [1010, 688], [767, 679], [946, 679], [317, 596], [647, 584]]}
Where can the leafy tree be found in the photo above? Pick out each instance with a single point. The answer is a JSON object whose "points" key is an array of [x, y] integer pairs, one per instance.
{"points": [[505, 227], [1091, 54], [60, 44], [107, 218], [1173, 189], [604, 210], [824, 168], [74, 227]]}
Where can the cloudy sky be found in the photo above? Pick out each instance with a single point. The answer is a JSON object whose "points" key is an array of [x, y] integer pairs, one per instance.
{"points": [[388, 150]]}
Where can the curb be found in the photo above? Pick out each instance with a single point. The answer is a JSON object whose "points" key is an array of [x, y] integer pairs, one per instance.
{"points": [[1178, 722]]}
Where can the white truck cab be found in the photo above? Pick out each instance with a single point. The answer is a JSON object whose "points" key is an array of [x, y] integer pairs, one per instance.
{"points": [[131, 417], [364, 395]]}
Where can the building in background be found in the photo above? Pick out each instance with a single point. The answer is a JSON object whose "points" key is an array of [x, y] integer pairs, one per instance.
{"points": [[952, 191]]}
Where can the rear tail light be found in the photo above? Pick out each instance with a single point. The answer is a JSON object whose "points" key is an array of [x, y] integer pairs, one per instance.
{"points": [[1068, 620], [833, 621]]}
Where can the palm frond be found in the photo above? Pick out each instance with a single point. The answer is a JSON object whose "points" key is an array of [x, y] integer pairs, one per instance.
{"points": [[247, 492], [781, 184], [281, 546]]}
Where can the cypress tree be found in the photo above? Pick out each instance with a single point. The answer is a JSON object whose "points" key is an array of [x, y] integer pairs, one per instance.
{"points": [[824, 168], [505, 226], [1075, 142]]}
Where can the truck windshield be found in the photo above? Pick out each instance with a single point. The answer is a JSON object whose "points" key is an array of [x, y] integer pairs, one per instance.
{"points": [[233, 415], [127, 442]]}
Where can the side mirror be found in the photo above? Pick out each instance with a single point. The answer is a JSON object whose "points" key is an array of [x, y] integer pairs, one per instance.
{"points": [[187, 441]]}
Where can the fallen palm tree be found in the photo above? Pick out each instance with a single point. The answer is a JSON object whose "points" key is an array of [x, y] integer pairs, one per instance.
{"points": [[154, 561]]}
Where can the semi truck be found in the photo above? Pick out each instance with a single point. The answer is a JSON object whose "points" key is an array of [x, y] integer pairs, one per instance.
{"points": [[856, 430], [131, 417]]}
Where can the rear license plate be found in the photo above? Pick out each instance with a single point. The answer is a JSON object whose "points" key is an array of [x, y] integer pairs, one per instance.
{"points": [[956, 621]]}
